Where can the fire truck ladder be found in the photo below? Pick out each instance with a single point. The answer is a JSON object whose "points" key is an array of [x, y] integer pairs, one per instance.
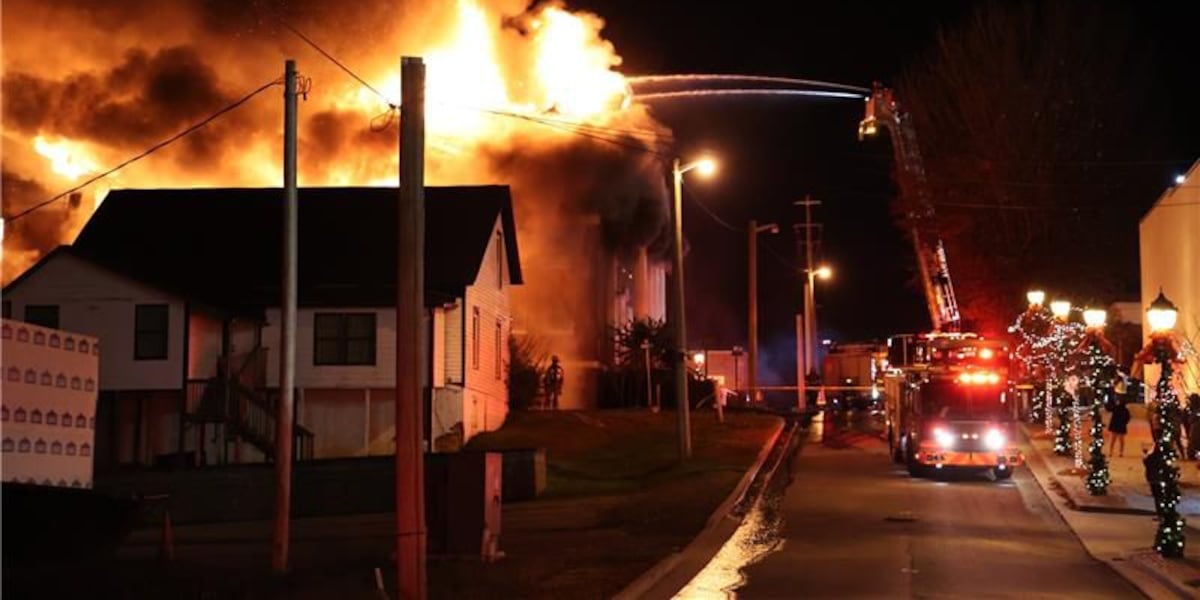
{"points": [[927, 244]]}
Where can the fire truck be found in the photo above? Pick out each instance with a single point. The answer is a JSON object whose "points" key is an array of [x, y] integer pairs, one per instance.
{"points": [[956, 409]]}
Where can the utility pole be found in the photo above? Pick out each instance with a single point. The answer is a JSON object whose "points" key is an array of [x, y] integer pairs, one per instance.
{"points": [[287, 331], [680, 358], [752, 362], [809, 319], [410, 313]]}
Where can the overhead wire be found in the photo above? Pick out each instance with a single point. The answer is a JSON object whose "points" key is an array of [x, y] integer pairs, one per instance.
{"points": [[148, 151]]}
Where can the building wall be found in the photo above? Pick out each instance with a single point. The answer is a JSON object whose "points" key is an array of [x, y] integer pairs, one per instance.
{"points": [[1170, 260], [309, 375], [96, 302], [48, 390], [485, 398]]}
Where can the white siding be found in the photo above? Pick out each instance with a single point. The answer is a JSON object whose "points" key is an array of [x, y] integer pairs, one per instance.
{"points": [[308, 375], [455, 344], [99, 303], [486, 397]]}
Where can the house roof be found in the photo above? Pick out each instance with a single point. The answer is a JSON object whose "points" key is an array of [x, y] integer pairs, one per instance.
{"points": [[223, 246]]}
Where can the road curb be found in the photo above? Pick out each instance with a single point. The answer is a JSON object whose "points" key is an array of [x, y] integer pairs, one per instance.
{"points": [[720, 526], [1144, 577]]}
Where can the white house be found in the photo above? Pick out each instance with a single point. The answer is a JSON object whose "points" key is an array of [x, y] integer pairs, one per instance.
{"points": [[1169, 240], [182, 288]]}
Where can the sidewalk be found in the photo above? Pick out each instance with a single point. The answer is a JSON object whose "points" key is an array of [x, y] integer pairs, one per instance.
{"points": [[1118, 528]]}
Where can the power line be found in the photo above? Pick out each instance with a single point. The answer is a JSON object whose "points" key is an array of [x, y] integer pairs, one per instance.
{"points": [[148, 151], [722, 222], [391, 104], [587, 130]]}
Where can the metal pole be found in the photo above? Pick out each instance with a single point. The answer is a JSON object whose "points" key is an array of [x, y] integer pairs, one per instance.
{"points": [[410, 307], [679, 359], [649, 391], [752, 377], [809, 325], [287, 331]]}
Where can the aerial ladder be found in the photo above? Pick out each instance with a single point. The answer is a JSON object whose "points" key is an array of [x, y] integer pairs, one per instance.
{"points": [[882, 110]]}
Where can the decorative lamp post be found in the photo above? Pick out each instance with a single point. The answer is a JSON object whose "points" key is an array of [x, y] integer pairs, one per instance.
{"points": [[1164, 349], [1057, 393], [1032, 329], [1099, 370]]}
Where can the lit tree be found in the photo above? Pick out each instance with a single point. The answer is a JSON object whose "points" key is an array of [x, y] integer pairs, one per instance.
{"points": [[1032, 351], [1097, 370], [1164, 349], [1064, 338]]}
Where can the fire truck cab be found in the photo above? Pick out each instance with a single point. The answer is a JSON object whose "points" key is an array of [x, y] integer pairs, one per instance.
{"points": [[956, 411]]}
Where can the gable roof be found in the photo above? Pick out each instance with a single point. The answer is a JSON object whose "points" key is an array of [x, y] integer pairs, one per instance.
{"points": [[223, 246]]}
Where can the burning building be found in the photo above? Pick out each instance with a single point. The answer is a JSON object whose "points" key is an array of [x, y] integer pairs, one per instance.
{"points": [[527, 96]]}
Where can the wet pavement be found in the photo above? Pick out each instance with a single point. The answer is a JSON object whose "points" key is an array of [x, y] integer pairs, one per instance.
{"points": [[852, 524]]}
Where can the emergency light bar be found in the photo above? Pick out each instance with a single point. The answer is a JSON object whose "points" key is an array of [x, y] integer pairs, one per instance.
{"points": [[979, 378]]}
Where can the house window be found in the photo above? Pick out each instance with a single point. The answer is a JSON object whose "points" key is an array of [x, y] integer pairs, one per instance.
{"points": [[499, 349], [150, 327], [475, 338], [45, 315], [499, 259], [344, 339]]}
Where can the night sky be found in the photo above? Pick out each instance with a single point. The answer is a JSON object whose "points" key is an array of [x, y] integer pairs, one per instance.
{"points": [[774, 151]]}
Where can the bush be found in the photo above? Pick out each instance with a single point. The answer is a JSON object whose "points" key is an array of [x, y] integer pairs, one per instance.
{"points": [[526, 365]]}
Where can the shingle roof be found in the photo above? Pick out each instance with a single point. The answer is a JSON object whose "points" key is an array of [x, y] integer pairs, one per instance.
{"points": [[223, 246]]}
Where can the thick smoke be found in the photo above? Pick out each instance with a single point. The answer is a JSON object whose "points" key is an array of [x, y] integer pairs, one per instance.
{"points": [[112, 78]]}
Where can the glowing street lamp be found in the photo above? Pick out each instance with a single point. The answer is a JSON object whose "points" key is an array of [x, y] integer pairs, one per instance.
{"points": [[1162, 315], [1095, 318], [1035, 298], [1164, 350], [706, 167], [1061, 309], [824, 272]]}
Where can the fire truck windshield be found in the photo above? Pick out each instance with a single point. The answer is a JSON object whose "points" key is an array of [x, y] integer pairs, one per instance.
{"points": [[954, 401]]}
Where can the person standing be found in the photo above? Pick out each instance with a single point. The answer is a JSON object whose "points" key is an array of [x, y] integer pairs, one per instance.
{"points": [[553, 382], [1118, 426]]}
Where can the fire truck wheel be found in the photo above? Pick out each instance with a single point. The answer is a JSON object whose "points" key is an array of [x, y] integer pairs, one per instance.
{"points": [[1002, 473]]}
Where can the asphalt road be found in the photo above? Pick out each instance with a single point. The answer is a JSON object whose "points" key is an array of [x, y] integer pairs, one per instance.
{"points": [[855, 525]]}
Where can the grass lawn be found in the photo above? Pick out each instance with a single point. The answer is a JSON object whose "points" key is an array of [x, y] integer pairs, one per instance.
{"points": [[617, 500]]}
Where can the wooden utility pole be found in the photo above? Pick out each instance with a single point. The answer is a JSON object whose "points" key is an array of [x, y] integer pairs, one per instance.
{"points": [[752, 363], [809, 325], [410, 348], [287, 331]]}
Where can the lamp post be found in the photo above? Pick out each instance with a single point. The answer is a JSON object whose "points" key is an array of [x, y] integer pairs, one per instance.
{"points": [[1031, 351], [1163, 349], [810, 315], [753, 232], [704, 166], [1061, 309], [1098, 372]]}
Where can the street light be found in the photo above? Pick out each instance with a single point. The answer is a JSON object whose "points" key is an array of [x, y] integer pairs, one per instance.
{"points": [[705, 166], [753, 232], [1162, 315], [1061, 309], [810, 320], [1035, 297], [1095, 318], [1164, 350]]}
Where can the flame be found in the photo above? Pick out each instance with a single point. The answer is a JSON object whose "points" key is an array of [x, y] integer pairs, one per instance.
{"points": [[68, 159], [571, 75], [574, 66]]}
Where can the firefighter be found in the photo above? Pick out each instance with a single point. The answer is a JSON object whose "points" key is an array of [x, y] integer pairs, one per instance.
{"points": [[553, 382]]}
